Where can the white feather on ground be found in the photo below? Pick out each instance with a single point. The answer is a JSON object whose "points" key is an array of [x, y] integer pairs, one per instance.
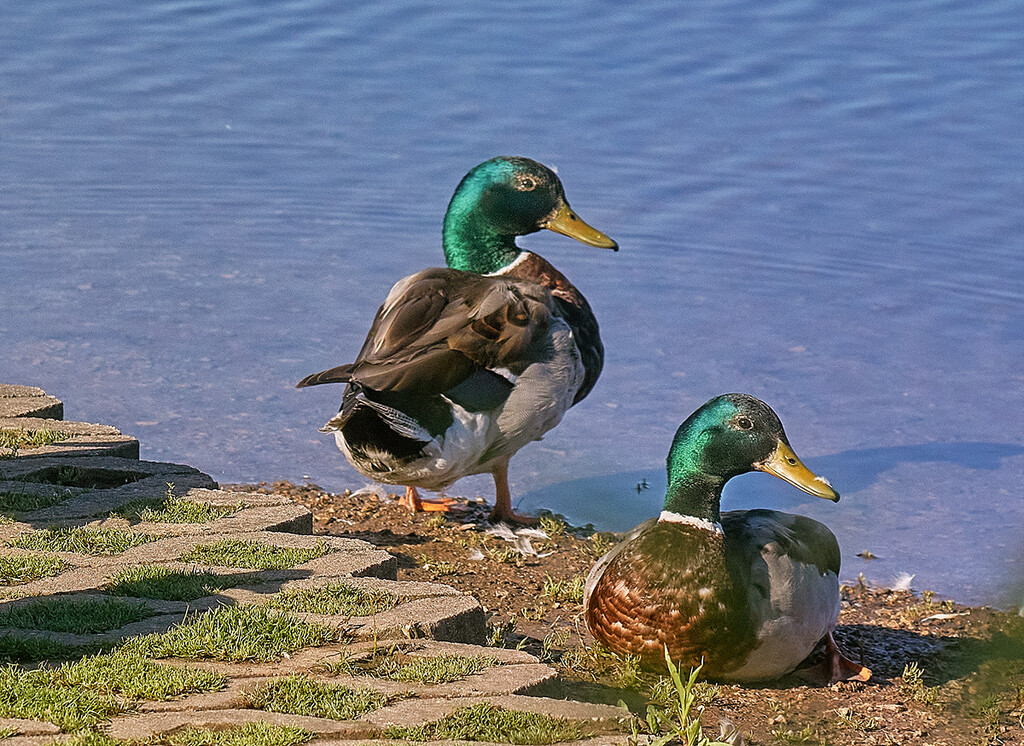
{"points": [[520, 539]]}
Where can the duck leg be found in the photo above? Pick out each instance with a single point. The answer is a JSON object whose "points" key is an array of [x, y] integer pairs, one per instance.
{"points": [[412, 500], [842, 668], [834, 667], [503, 499]]}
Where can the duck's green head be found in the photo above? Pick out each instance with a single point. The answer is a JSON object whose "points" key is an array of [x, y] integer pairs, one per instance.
{"points": [[731, 435], [503, 198]]}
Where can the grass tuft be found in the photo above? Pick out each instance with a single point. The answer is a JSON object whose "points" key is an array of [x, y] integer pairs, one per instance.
{"points": [[81, 539], [486, 722], [564, 590], [437, 669], [83, 693], [334, 599], [17, 649], [252, 734], [253, 555], [24, 500], [172, 509], [79, 616], [167, 584], [88, 738], [235, 633], [300, 695], [18, 570], [15, 439], [913, 686]]}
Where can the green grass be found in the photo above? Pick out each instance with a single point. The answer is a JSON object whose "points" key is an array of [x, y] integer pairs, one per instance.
{"points": [[17, 649], [81, 539], [253, 734], [88, 738], [17, 570], [436, 669], [15, 438], [564, 590], [235, 633], [23, 501], [167, 584], [93, 689], [173, 509], [7, 733], [334, 599], [253, 555], [79, 616], [913, 686], [486, 722], [300, 695]]}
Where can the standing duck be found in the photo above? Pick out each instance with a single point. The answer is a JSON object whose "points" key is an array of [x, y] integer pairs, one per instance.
{"points": [[751, 592], [465, 365]]}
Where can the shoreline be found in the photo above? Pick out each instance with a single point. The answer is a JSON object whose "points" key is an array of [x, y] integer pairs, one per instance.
{"points": [[971, 659]]}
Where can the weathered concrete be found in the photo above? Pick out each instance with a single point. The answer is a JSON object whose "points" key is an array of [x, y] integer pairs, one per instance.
{"points": [[82, 438], [28, 401], [91, 480]]}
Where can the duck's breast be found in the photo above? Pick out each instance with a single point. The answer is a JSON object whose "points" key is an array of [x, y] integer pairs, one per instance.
{"points": [[789, 565]]}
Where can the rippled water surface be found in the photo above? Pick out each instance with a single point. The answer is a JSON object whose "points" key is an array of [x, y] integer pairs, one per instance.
{"points": [[818, 203]]}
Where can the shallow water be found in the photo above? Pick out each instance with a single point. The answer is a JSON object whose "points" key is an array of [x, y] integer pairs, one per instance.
{"points": [[203, 202]]}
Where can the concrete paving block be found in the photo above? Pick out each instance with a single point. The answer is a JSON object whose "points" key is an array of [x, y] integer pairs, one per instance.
{"points": [[414, 712], [83, 438], [28, 727], [142, 726], [618, 739], [228, 698], [451, 618], [29, 401], [146, 480]]}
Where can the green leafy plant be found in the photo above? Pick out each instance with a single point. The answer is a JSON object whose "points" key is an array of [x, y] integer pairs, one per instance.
{"points": [[564, 590], [913, 686], [680, 722]]}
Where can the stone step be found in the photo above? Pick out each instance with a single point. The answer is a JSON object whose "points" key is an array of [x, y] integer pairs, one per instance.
{"points": [[29, 401], [76, 438]]}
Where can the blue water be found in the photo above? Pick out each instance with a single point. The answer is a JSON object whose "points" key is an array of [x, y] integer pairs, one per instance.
{"points": [[818, 203]]}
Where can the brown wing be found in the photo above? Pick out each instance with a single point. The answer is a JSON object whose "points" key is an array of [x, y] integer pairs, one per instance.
{"points": [[437, 327]]}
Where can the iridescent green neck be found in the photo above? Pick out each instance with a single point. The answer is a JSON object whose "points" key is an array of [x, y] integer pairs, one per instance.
{"points": [[471, 242], [691, 490]]}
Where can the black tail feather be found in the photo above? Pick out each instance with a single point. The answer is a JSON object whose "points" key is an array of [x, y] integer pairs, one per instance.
{"points": [[339, 374]]}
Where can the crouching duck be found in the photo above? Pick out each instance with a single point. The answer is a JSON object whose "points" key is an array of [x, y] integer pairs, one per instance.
{"points": [[465, 365], [749, 592]]}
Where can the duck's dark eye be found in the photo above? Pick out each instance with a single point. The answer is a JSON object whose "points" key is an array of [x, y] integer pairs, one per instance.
{"points": [[745, 423], [526, 184]]}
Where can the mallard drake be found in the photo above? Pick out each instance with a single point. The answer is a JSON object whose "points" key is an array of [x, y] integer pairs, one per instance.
{"points": [[465, 365], [751, 592]]}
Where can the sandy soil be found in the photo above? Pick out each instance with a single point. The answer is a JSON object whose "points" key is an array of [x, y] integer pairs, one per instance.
{"points": [[971, 691]]}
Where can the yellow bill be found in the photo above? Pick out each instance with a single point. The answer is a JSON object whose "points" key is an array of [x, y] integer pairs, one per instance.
{"points": [[785, 465], [568, 223]]}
